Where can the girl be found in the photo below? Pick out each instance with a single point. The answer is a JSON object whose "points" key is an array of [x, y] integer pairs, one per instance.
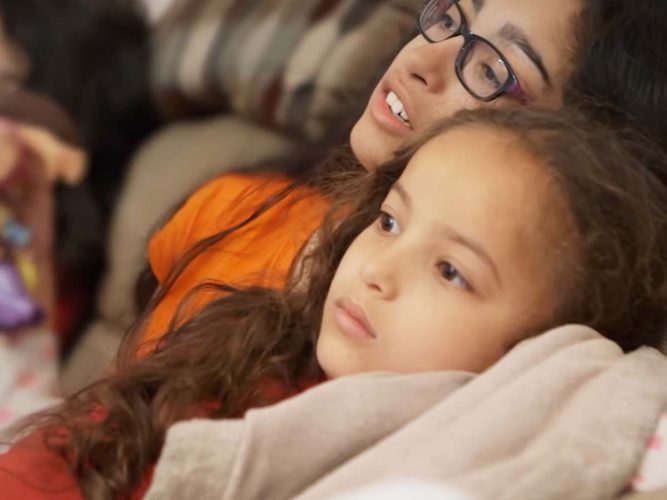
{"points": [[545, 53], [492, 227]]}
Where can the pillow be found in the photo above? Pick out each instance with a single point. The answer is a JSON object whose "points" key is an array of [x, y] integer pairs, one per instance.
{"points": [[300, 65]]}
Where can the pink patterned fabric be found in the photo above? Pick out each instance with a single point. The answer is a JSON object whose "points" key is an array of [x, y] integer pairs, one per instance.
{"points": [[28, 378], [652, 474]]}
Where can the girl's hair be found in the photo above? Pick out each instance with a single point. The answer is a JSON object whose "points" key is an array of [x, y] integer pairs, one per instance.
{"points": [[228, 356]]}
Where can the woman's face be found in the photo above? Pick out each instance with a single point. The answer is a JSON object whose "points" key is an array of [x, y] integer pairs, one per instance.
{"points": [[457, 268], [534, 36]]}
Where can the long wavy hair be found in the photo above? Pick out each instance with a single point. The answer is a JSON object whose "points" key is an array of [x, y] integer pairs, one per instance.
{"points": [[225, 359]]}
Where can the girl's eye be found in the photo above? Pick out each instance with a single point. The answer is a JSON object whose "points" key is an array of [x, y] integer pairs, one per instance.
{"points": [[387, 223], [451, 274]]}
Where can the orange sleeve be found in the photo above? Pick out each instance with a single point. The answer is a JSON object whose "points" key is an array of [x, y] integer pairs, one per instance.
{"points": [[258, 254], [200, 216]]}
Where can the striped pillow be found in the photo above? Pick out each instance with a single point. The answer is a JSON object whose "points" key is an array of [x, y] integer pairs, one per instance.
{"points": [[300, 65]]}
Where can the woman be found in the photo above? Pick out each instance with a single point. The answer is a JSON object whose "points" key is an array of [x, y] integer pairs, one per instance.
{"points": [[516, 55]]}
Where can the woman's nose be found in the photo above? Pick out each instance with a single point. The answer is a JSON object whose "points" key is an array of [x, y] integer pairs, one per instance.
{"points": [[432, 65]]}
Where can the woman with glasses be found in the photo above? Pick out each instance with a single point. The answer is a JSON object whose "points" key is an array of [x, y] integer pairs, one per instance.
{"points": [[515, 56], [468, 54]]}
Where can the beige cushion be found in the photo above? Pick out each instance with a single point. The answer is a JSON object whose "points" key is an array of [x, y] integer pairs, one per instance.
{"points": [[170, 166]]}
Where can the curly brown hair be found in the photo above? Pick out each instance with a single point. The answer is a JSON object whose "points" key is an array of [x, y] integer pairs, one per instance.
{"points": [[218, 362]]}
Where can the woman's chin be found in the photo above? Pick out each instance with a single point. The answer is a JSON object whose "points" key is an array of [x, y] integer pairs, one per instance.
{"points": [[371, 147]]}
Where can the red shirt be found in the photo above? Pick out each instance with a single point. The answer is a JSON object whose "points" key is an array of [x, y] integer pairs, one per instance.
{"points": [[30, 471]]}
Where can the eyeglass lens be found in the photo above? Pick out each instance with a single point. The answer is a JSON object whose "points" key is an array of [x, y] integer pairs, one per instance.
{"points": [[482, 68]]}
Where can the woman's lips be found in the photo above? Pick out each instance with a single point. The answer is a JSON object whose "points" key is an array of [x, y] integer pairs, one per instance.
{"points": [[352, 320], [383, 115]]}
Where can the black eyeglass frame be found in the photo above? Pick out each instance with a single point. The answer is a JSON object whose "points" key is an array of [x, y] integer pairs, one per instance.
{"points": [[511, 87]]}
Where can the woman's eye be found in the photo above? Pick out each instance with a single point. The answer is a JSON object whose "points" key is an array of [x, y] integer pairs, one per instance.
{"points": [[387, 223], [451, 274], [490, 76], [448, 23]]}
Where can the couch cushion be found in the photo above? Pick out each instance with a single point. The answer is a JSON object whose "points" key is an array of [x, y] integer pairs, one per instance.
{"points": [[300, 65], [165, 171]]}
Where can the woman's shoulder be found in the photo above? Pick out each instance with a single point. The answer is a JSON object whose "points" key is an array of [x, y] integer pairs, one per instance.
{"points": [[229, 200], [229, 197]]}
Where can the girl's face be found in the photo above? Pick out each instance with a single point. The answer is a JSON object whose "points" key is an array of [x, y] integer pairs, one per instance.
{"points": [[534, 37], [457, 269]]}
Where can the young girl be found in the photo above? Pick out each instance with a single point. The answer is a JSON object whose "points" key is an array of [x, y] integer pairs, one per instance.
{"points": [[492, 227]]}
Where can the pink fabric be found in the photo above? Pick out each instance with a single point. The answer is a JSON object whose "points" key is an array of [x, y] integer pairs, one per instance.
{"points": [[29, 374], [652, 474]]}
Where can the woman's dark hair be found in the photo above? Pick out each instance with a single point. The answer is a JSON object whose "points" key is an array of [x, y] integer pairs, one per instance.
{"points": [[220, 362], [623, 64]]}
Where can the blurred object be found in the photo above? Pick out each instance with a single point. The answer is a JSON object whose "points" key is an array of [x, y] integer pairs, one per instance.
{"points": [[90, 56], [14, 62], [31, 160], [79, 68], [292, 64], [30, 108], [17, 308], [28, 379], [280, 74], [61, 161], [156, 8]]}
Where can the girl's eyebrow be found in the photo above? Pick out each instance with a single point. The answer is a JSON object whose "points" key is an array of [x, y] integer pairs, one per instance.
{"points": [[453, 235], [401, 191], [514, 34]]}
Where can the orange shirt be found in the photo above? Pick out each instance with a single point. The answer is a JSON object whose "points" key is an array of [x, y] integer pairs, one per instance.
{"points": [[260, 253]]}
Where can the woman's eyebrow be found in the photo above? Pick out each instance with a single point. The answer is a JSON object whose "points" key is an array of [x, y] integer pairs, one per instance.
{"points": [[514, 34], [477, 5]]}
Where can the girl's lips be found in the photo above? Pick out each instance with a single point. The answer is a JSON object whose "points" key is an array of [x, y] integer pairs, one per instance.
{"points": [[384, 117], [352, 319]]}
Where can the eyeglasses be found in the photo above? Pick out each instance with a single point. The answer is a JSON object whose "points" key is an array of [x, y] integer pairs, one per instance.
{"points": [[480, 67]]}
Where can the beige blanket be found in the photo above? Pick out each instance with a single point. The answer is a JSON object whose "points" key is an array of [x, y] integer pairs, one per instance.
{"points": [[564, 415]]}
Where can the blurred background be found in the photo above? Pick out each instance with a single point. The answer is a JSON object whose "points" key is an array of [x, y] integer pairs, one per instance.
{"points": [[132, 104]]}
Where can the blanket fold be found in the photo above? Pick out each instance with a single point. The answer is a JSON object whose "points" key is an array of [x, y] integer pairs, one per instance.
{"points": [[563, 415]]}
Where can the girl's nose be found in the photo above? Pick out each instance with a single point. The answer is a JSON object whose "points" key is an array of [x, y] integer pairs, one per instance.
{"points": [[432, 65], [380, 274]]}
